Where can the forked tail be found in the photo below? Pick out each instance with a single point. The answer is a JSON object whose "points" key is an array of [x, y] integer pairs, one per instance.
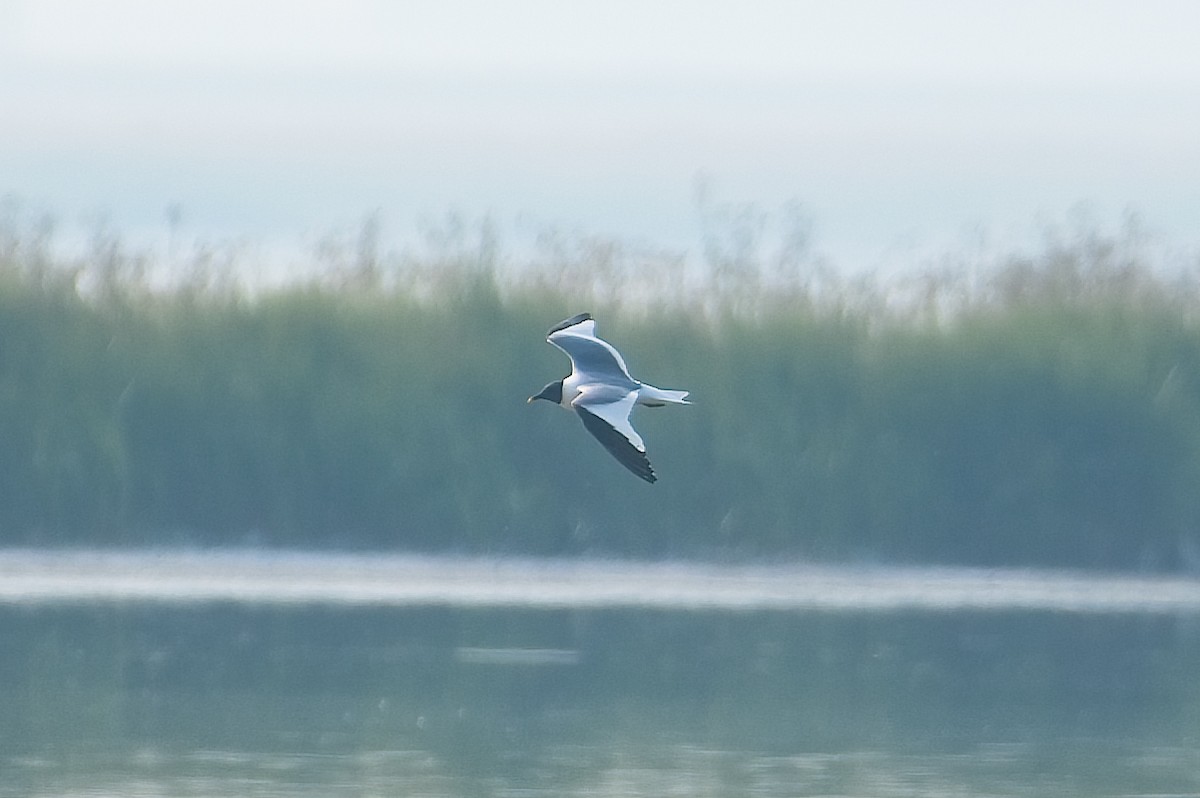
{"points": [[657, 397]]}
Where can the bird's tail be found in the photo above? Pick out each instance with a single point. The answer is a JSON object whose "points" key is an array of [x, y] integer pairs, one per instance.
{"points": [[657, 397]]}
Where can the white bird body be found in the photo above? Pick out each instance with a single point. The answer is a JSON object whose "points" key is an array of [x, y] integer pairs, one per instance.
{"points": [[600, 390]]}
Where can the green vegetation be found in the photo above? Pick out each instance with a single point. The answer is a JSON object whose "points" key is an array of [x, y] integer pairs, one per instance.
{"points": [[1047, 412]]}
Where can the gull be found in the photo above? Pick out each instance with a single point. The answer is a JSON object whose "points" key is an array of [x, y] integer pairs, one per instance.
{"points": [[601, 392]]}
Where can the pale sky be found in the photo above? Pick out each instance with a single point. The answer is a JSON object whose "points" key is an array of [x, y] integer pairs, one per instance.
{"points": [[896, 125]]}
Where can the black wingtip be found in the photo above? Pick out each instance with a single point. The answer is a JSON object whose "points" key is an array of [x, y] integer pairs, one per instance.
{"points": [[617, 445], [646, 473], [571, 322]]}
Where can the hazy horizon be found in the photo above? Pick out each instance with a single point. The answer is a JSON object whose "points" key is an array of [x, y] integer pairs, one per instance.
{"points": [[899, 129]]}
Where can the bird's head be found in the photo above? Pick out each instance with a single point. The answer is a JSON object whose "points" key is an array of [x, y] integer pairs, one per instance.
{"points": [[551, 393]]}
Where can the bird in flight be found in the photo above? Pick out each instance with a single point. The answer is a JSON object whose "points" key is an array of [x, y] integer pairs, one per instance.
{"points": [[601, 392]]}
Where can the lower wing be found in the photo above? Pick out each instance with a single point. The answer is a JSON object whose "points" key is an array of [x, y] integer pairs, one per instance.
{"points": [[618, 445]]}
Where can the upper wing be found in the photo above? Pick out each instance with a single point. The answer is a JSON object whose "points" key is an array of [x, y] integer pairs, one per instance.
{"points": [[609, 422], [583, 321], [591, 355]]}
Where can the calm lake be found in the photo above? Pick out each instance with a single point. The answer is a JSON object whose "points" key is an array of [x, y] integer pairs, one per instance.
{"points": [[261, 674]]}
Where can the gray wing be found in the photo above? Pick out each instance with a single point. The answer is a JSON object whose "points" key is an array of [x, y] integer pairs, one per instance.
{"points": [[590, 355], [617, 444]]}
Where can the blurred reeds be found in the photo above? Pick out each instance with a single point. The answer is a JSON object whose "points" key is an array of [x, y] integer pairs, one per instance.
{"points": [[1029, 408]]}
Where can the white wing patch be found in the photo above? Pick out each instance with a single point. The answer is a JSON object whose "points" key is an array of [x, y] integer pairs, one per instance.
{"points": [[614, 413]]}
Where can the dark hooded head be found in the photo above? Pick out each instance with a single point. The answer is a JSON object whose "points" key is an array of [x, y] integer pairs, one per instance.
{"points": [[551, 393]]}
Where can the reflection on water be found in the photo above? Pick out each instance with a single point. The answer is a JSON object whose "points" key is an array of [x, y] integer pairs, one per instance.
{"points": [[32, 576], [119, 684]]}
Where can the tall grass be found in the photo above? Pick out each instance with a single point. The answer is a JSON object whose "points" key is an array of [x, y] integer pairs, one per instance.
{"points": [[1044, 409]]}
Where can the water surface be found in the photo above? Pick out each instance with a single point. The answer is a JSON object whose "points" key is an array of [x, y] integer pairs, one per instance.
{"points": [[405, 580], [235, 674]]}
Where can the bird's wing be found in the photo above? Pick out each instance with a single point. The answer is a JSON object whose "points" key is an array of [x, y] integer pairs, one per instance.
{"points": [[583, 323], [608, 420], [589, 355]]}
